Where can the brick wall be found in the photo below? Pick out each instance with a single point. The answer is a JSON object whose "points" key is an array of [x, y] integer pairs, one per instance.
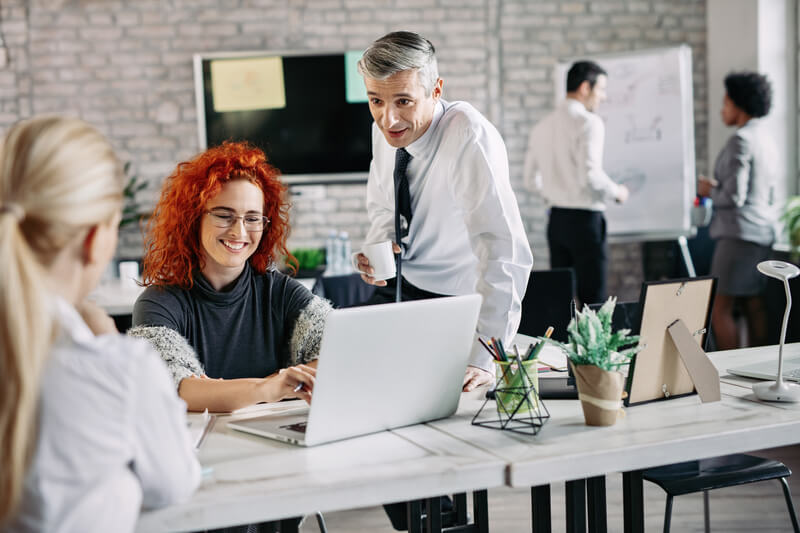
{"points": [[127, 68]]}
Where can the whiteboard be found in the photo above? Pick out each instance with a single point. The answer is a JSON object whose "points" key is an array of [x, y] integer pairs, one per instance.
{"points": [[649, 144]]}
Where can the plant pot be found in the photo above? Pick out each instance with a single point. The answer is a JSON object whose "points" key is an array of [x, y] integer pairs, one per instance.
{"points": [[600, 393]]}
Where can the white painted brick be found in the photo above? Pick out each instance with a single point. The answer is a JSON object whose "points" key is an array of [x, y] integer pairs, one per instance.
{"points": [[498, 55], [134, 129], [14, 27], [100, 34], [126, 18]]}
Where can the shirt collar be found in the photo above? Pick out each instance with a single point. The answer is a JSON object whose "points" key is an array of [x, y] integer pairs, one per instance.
{"points": [[573, 104], [72, 326], [425, 143]]}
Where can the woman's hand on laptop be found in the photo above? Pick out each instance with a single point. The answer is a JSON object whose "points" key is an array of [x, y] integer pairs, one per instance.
{"points": [[475, 377], [292, 382]]}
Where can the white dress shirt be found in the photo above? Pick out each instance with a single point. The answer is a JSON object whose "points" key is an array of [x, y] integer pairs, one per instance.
{"points": [[112, 435], [564, 160], [466, 233]]}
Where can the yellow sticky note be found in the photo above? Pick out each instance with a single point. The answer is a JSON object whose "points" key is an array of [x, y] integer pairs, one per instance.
{"points": [[247, 84]]}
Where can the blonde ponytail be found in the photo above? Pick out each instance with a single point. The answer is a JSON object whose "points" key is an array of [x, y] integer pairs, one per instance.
{"points": [[58, 176]]}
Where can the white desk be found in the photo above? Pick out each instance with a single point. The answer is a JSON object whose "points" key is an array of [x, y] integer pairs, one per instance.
{"points": [[115, 297], [650, 435], [257, 479]]}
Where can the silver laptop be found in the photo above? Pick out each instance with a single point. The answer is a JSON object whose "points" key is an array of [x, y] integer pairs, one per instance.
{"points": [[769, 369], [381, 367]]}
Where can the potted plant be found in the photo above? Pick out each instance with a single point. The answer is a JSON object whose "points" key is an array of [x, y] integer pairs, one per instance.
{"points": [[595, 354], [309, 262], [131, 211], [791, 219]]}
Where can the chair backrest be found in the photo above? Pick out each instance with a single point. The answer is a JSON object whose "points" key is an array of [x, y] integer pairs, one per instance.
{"points": [[548, 302], [626, 316]]}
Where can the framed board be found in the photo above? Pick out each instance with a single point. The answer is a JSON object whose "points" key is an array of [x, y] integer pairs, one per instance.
{"points": [[649, 144]]}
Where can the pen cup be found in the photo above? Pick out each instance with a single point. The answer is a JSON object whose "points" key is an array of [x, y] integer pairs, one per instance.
{"points": [[516, 390]]}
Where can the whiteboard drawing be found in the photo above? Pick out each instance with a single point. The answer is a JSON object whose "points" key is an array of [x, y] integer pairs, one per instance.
{"points": [[649, 142], [633, 178], [650, 132]]}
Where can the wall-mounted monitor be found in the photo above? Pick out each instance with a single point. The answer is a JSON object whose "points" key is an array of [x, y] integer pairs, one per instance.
{"points": [[307, 111]]}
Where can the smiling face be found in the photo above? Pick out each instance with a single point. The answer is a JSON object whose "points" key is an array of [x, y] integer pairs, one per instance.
{"points": [[226, 250], [400, 107]]}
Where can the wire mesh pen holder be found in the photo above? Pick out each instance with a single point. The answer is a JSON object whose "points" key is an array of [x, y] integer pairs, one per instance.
{"points": [[518, 405]]}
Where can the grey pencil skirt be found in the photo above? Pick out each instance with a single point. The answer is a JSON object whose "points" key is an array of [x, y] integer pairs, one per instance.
{"points": [[734, 263]]}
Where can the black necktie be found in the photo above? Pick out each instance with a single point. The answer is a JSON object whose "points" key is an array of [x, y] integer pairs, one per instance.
{"points": [[402, 206]]}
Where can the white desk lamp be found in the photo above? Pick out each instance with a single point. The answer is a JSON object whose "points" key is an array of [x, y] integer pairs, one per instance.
{"points": [[779, 391]]}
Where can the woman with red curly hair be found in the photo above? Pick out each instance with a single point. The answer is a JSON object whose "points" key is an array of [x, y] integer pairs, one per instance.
{"points": [[214, 306]]}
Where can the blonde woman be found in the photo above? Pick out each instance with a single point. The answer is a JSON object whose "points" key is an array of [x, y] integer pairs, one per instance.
{"points": [[90, 427]]}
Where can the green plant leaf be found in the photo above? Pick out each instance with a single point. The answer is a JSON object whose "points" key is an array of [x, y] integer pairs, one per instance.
{"points": [[592, 342]]}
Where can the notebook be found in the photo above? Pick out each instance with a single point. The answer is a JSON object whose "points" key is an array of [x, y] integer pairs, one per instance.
{"points": [[381, 367], [769, 369]]}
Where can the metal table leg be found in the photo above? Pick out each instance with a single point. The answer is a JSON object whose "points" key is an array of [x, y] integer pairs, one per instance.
{"points": [[576, 505], [596, 498], [633, 501], [540, 509]]}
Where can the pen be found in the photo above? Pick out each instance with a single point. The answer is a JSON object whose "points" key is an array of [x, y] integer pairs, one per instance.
{"points": [[496, 348], [540, 345], [487, 348], [299, 387], [516, 353], [529, 350], [502, 351], [208, 425]]}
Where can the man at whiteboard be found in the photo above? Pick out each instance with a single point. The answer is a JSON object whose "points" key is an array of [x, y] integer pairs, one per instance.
{"points": [[564, 163]]}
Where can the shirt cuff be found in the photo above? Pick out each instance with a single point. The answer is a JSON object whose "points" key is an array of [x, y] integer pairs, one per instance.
{"points": [[480, 358]]}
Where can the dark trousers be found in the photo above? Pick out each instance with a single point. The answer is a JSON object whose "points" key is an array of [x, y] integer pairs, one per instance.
{"points": [[577, 239], [386, 295]]}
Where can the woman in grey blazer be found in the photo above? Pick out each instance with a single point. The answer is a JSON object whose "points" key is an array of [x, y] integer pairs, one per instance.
{"points": [[743, 194]]}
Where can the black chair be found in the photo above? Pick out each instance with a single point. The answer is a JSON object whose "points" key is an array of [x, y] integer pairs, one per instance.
{"points": [[706, 474], [716, 473], [347, 290], [547, 302]]}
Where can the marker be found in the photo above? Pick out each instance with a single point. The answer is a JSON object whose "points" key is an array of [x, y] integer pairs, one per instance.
{"points": [[540, 345]]}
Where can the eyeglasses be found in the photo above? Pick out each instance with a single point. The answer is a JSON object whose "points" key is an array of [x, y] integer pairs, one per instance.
{"points": [[223, 218]]}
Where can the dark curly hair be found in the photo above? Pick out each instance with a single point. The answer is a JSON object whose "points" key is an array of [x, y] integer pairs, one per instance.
{"points": [[173, 248], [749, 91]]}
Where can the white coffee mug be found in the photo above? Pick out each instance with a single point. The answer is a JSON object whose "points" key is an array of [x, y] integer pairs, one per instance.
{"points": [[128, 273], [381, 259]]}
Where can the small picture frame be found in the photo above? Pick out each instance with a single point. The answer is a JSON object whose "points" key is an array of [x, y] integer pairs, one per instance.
{"points": [[657, 371]]}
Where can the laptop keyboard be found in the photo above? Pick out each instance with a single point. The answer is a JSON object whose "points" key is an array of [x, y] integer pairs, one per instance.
{"points": [[299, 427]]}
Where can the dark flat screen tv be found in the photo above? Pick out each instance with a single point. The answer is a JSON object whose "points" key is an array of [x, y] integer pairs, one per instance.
{"points": [[307, 111]]}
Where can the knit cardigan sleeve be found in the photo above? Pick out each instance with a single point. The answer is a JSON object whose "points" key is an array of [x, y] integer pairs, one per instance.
{"points": [[176, 352], [306, 337]]}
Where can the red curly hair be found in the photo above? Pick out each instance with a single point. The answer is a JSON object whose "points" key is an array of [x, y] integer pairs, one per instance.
{"points": [[173, 248]]}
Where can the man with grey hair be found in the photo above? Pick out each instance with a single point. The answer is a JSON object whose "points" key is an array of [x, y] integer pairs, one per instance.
{"points": [[439, 188]]}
